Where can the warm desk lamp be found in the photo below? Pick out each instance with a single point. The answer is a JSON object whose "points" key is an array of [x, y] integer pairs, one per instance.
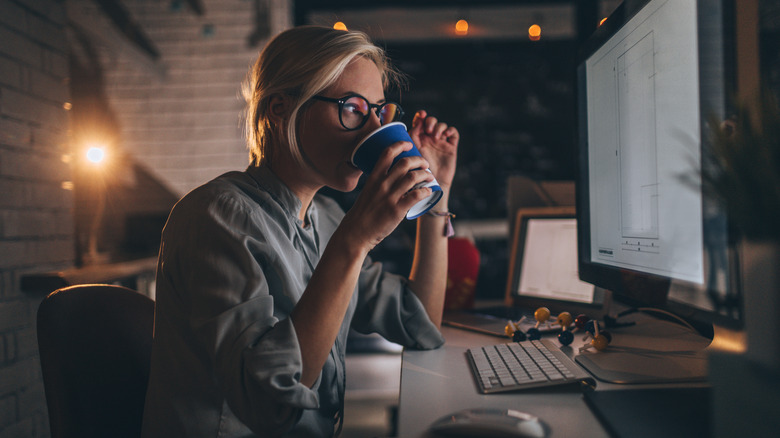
{"points": [[95, 173]]}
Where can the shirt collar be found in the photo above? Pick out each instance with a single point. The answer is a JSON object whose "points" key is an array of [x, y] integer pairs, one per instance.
{"points": [[268, 181]]}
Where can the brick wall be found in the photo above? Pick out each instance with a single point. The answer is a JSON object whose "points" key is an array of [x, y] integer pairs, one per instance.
{"points": [[36, 224], [180, 117], [179, 120]]}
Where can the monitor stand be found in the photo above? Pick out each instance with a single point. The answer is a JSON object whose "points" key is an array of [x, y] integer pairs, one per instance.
{"points": [[651, 351]]}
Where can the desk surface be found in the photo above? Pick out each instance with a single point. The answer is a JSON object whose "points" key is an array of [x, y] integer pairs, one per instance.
{"points": [[438, 382]]}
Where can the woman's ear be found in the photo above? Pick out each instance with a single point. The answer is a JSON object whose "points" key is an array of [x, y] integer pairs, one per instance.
{"points": [[279, 106]]}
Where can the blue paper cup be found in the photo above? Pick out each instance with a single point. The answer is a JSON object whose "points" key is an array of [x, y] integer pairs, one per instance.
{"points": [[370, 148]]}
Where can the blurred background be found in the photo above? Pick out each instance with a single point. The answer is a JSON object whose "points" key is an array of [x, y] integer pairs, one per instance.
{"points": [[111, 110], [157, 85]]}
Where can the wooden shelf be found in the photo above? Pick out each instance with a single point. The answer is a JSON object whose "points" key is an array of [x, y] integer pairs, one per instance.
{"points": [[108, 273]]}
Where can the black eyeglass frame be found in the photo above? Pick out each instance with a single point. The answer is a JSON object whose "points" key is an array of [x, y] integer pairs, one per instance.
{"points": [[378, 109]]}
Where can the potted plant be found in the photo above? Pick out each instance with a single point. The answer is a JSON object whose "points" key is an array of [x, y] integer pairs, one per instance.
{"points": [[743, 171]]}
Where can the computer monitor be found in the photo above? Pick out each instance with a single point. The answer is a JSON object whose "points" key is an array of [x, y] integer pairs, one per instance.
{"points": [[650, 79]]}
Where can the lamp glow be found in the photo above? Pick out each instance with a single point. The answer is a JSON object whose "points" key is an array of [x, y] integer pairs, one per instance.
{"points": [[96, 154], [339, 26]]}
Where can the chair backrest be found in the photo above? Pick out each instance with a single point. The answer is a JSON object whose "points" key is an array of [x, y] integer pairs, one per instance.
{"points": [[95, 343]]}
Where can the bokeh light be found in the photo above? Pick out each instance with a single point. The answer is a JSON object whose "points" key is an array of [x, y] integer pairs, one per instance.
{"points": [[535, 32], [462, 27]]}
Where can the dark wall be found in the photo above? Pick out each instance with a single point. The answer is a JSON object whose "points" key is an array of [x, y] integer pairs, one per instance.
{"points": [[513, 103]]}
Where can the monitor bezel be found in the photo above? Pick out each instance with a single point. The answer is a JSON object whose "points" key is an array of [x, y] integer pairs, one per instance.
{"points": [[636, 288]]}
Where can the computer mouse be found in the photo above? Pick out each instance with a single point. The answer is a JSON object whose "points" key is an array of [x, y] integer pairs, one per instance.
{"points": [[490, 423]]}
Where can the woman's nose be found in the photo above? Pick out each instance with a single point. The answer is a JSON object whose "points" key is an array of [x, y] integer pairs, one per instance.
{"points": [[373, 121]]}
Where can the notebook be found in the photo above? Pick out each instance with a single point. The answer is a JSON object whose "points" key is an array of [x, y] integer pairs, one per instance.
{"points": [[542, 273]]}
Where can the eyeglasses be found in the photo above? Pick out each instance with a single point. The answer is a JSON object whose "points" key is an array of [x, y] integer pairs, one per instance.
{"points": [[355, 109]]}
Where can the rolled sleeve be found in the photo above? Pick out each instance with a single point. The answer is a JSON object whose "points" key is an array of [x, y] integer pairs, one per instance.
{"points": [[387, 306], [260, 370]]}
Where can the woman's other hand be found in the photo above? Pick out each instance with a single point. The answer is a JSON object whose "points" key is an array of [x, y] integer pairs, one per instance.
{"points": [[438, 143]]}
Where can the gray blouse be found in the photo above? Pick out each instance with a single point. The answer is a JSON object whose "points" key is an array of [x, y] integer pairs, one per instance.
{"points": [[226, 362]]}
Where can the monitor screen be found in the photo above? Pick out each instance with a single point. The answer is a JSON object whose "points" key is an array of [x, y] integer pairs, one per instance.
{"points": [[649, 81], [549, 264]]}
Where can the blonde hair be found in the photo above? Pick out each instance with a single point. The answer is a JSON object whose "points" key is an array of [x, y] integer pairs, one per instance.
{"points": [[301, 62]]}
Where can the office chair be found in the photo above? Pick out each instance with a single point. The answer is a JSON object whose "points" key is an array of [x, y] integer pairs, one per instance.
{"points": [[95, 343]]}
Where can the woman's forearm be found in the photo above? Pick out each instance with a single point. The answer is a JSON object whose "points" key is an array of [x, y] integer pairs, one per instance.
{"points": [[428, 278], [319, 313]]}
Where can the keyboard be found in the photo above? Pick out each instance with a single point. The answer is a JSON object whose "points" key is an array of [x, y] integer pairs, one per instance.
{"points": [[516, 366]]}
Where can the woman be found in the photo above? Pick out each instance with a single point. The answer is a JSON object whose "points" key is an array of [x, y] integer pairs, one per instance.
{"points": [[259, 277]]}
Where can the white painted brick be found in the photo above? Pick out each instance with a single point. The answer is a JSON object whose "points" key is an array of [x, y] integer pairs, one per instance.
{"points": [[13, 315], [196, 33], [234, 74], [54, 63], [19, 194], [17, 46], [14, 133], [187, 127], [243, 58], [23, 428], [30, 165], [205, 47], [26, 338], [187, 149], [183, 106], [56, 251], [34, 254], [36, 223], [46, 32], [10, 73], [190, 117], [55, 12], [8, 287], [52, 137], [13, 194], [201, 161], [11, 351], [49, 195], [32, 399], [13, 16], [179, 134], [8, 410], [172, 90], [44, 7], [36, 218], [25, 107], [9, 256], [46, 86]]}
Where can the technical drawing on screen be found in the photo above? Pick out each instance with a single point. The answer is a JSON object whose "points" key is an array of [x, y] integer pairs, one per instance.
{"points": [[644, 135]]}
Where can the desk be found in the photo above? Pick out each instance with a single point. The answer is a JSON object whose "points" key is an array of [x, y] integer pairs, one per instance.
{"points": [[435, 383]]}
